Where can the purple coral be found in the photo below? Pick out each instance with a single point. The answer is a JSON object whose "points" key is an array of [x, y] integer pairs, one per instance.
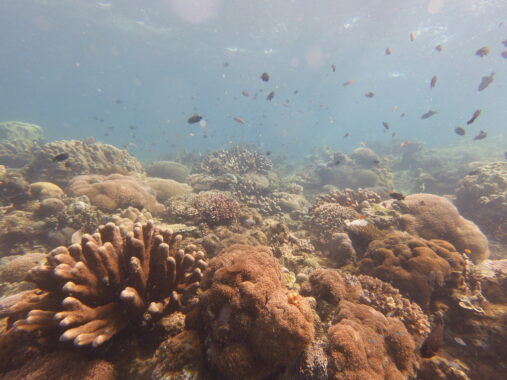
{"points": [[216, 207]]}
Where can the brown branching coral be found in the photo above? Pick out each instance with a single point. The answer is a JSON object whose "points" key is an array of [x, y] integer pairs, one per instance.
{"points": [[93, 290]]}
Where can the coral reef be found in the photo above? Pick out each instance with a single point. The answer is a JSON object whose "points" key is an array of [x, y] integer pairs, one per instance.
{"points": [[211, 207], [252, 325], [18, 143], [369, 330], [361, 169], [115, 191], [481, 196], [165, 189], [93, 290], [423, 270], [168, 170], [84, 158], [433, 217], [237, 160]]}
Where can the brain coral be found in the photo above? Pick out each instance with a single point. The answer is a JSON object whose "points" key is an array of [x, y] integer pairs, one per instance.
{"points": [[433, 217], [364, 344], [84, 158], [482, 197], [253, 325], [114, 191], [93, 290], [417, 267]]}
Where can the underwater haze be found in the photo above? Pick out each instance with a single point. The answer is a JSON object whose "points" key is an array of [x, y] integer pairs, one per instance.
{"points": [[253, 189], [130, 73]]}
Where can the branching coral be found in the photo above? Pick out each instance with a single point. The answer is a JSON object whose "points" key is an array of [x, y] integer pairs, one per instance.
{"points": [[236, 160], [93, 290]]}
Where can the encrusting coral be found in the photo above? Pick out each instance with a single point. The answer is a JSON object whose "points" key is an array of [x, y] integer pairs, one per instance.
{"points": [[252, 324], [93, 290]]}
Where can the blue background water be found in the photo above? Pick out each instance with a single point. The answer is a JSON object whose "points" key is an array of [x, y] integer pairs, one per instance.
{"points": [[143, 67]]}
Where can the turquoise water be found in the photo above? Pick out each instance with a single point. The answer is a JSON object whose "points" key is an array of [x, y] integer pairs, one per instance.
{"points": [[130, 73]]}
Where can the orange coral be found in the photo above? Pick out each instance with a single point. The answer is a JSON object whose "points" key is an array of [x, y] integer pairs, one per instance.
{"points": [[251, 328]]}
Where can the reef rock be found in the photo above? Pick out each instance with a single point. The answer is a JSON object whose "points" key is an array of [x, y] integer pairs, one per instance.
{"points": [[167, 188], [84, 158], [481, 196], [18, 143]]}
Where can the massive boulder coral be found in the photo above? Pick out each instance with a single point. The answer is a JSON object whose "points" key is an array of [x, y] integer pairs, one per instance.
{"points": [[19, 142], [93, 290], [421, 269], [369, 330], [115, 191], [85, 157], [433, 217], [253, 326], [481, 196]]}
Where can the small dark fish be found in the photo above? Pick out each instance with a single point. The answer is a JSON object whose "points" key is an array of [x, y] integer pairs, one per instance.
{"points": [[265, 76], [369, 94], [402, 114], [376, 161], [474, 117], [481, 135], [60, 157], [295, 92], [459, 131], [225, 64], [504, 54], [482, 51], [245, 93], [485, 82], [194, 119], [389, 51], [268, 153], [346, 135], [395, 195], [333, 67], [439, 47], [385, 124], [118, 101], [436, 338], [348, 82], [428, 114], [433, 81], [270, 96]]}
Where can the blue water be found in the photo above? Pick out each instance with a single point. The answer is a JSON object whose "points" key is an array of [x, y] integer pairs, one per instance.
{"points": [[130, 73]]}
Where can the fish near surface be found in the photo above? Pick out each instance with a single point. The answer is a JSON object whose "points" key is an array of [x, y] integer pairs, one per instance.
{"points": [[428, 114], [459, 131], [474, 117], [481, 135], [433, 81], [194, 119], [483, 51], [485, 82]]}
